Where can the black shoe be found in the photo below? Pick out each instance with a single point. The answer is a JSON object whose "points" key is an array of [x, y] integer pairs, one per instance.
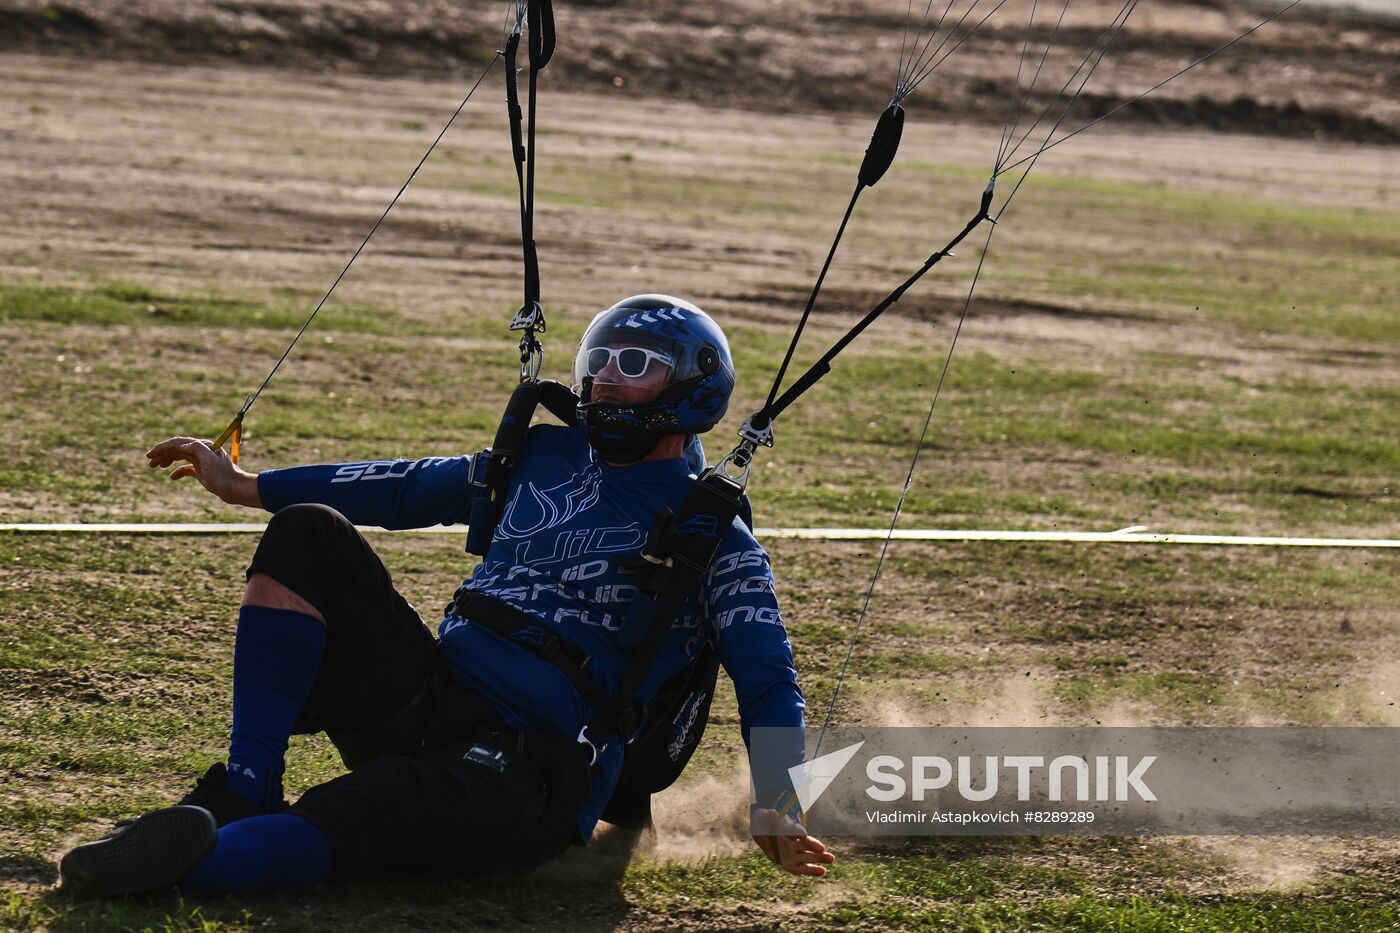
{"points": [[149, 854], [212, 793]]}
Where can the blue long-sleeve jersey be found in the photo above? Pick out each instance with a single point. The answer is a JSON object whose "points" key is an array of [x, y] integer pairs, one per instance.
{"points": [[568, 519]]}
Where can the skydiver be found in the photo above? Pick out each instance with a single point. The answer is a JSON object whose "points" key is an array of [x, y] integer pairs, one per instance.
{"points": [[468, 752]]}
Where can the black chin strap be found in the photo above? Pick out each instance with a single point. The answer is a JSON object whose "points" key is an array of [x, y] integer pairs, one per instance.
{"points": [[615, 446]]}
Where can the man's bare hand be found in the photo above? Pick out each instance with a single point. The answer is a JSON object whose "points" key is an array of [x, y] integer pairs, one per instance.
{"points": [[214, 469], [789, 845]]}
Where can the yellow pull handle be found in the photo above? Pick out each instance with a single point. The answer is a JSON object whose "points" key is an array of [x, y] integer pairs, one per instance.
{"points": [[233, 432]]}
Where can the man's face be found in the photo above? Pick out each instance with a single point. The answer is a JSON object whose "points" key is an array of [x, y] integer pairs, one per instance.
{"points": [[628, 375]]}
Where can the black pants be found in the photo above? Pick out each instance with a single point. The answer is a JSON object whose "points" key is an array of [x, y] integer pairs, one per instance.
{"points": [[439, 785]]}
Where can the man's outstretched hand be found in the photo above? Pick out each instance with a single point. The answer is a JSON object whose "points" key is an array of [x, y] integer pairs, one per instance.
{"points": [[214, 469], [788, 845]]}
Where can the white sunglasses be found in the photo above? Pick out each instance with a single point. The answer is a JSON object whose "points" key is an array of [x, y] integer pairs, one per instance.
{"points": [[632, 362]]}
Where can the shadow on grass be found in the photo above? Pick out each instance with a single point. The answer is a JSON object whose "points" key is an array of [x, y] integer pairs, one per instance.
{"points": [[579, 890], [27, 870]]}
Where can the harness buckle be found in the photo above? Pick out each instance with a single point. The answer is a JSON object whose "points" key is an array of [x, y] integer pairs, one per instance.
{"points": [[529, 317], [596, 750], [735, 466], [740, 458], [476, 476], [531, 357], [758, 437]]}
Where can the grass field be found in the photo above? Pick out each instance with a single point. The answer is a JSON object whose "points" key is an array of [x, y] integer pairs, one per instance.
{"points": [[1174, 345], [112, 716]]}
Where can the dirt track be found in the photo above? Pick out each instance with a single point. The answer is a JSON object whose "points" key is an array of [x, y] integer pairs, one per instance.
{"points": [[1339, 79], [270, 175]]}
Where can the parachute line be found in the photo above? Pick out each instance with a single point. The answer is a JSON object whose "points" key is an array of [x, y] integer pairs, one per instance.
{"points": [[904, 493], [1064, 113], [248, 403], [1132, 100], [927, 56], [920, 65], [907, 69], [1006, 127], [1100, 46], [904, 40], [1004, 153], [933, 66]]}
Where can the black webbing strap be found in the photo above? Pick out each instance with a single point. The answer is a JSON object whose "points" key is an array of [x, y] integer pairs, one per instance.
{"points": [[678, 555], [540, 25], [493, 466], [879, 155], [540, 15], [822, 366], [521, 628], [520, 156]]}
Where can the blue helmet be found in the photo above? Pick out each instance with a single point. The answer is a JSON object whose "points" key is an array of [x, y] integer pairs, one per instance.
{"points": [[650, 342]]}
